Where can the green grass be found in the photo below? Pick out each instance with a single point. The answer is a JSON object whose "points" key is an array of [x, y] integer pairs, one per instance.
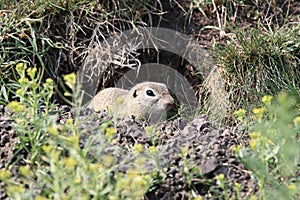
{"points": [[31, 109], [273, 154], [259, 63]]}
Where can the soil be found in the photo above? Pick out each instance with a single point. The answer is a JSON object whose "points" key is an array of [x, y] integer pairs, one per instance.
{"points": [[209, 152], [210, 149]]}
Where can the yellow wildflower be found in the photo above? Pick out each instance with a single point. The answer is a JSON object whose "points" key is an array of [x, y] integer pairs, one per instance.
{"points": [[70, 80], [253, 197], [297, 121], [197, 198], [240, 114], [73, 140], [237, 185], [12, 189], [152, 149], [21, 67], [31, 72], [52, 130], [259, 112], [23, 81], [40, 198], [16, 107], [110, 132], [267, 100], [24, 170], [70, 162], [138, 182], [220, 177], [49, 81], [292, 187], [253, 144], [20, 92], [46, 148], [77, 179], [138, 148], [236, 149], [4, 174], [255, 135], [69, 121]]}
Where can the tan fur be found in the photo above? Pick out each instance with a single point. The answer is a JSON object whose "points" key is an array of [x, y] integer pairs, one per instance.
{"points": [[135, 102]]}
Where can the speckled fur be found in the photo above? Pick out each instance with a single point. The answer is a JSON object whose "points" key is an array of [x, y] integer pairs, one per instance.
{"points": [[135, 102]]}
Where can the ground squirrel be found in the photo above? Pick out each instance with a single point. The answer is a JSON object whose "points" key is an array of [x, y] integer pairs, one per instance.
{"points": [[145, 101]]}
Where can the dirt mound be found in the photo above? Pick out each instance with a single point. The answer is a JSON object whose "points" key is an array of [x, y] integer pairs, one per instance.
{"points": [[190, 154], [194, 146]]}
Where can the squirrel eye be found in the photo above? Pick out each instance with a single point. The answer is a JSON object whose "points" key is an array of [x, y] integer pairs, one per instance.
{"points": [[150, 93]]}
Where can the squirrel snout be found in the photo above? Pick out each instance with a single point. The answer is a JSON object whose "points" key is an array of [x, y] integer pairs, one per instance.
{"points": [[169, 103]]}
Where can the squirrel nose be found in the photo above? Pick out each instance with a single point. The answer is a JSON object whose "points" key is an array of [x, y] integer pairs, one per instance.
{"points": [[169, 103]]}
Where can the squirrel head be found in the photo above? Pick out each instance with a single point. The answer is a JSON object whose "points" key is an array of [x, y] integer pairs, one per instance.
{"points": [[150, 100]]}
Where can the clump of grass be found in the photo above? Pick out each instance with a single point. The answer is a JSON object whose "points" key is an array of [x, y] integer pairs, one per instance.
{"points": [[258, 63], [23, 35], [273, 155], [68, 174], [30, 108]]}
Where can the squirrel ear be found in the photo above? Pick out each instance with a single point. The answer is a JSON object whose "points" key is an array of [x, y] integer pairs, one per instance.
{"points": [[134, 94]]}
